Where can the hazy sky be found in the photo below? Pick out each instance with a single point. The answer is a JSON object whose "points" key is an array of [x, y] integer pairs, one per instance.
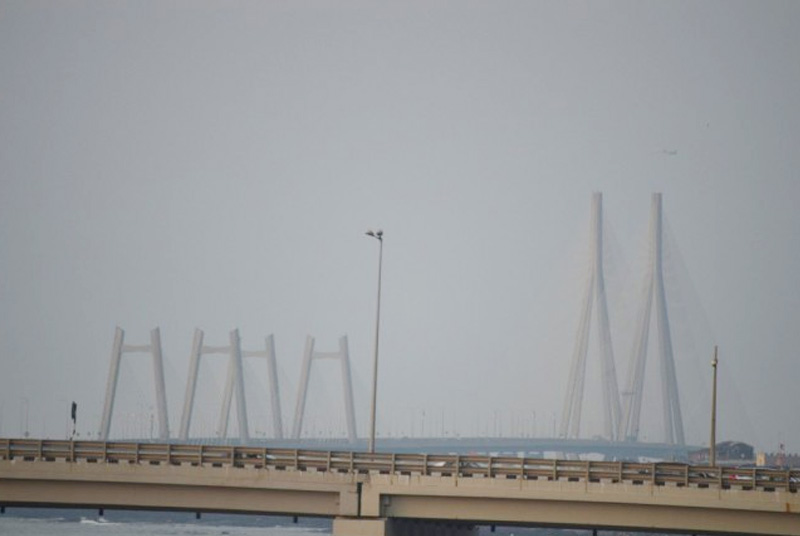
{"points": [[215, 165]]}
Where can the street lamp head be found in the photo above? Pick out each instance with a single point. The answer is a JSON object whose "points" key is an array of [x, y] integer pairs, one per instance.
{"points": [[375, 234]]}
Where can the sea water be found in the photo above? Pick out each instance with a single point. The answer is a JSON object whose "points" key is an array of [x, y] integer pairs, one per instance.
{"points": [[51, 522], [69, 522]]}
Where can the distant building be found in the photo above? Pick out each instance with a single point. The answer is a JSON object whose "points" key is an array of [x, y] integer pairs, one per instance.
{"points": [[778, 459], [728, 452]]}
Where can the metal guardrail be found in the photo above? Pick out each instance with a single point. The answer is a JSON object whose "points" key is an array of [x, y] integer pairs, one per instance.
{"points": [[755, 478]]}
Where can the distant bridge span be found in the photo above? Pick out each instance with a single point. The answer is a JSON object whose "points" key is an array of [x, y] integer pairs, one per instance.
{"points": [[619, 450], [391, 494]]}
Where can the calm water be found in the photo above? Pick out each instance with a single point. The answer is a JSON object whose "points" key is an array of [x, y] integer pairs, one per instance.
{"points": [[51, 522]]}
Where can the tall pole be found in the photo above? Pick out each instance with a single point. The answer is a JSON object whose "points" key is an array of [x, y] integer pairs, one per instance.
{"points": [[371, 447], [712, 447]]}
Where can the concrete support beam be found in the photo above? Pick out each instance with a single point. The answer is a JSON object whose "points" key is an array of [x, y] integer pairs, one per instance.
{"points": [[622, 507], [368, 503], [177, 487]]}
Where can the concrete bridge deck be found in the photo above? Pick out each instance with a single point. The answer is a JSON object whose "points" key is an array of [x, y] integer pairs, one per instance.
{"points": [[384, 494]]}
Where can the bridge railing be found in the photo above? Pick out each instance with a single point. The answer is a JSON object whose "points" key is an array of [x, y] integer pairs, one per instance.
{"points": [[465, 466]]}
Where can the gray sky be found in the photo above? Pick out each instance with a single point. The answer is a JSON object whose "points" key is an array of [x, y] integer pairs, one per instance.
{"points": [[215, 165]]}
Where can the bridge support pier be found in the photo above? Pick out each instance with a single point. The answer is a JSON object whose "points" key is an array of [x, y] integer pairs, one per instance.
{"points": [[382, 526]]}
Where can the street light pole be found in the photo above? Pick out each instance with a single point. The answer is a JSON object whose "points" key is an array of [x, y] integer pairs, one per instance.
{"points": [[712, 448], [371, 447]]}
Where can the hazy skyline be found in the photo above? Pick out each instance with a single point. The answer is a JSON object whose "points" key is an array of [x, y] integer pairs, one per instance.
{"points": [[215, 165]]}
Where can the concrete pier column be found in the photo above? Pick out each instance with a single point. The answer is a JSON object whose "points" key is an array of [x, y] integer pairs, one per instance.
{"points": [[354, 526]]}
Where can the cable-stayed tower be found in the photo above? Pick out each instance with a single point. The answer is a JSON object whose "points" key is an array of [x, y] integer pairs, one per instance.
{"points": [[595, 291], [653, 290], [272, 377], [235, 381], [120, 348], [311, 355]]}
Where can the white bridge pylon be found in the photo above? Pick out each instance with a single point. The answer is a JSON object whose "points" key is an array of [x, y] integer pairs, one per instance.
{"points": [[120, 348], [624, 425], [595, 291], [234, 384], [343, 355], [275, 399], [653, 291], [235, 376]]}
